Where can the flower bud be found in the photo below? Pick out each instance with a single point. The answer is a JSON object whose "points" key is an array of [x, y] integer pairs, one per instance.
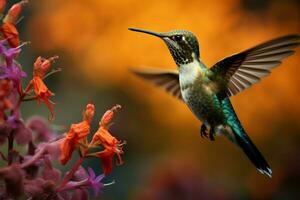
{"points": [[42, 65], [89, 112], [2, 5], [108, 115], [14, 12]]}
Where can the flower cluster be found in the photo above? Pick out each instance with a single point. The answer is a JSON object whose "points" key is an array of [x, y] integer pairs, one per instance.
{"points": [[41, 67], [32, 146], [76, 138]]}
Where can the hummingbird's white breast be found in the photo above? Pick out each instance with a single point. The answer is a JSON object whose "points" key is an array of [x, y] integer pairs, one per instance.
{"points": [[188, 74], [193, 90]]}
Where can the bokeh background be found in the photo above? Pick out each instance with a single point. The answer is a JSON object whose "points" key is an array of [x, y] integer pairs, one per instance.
{"points": [[165, 157]]}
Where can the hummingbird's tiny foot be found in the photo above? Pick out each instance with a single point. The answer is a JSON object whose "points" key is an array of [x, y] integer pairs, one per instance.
{"points": [[211, 134], [203, 130]]}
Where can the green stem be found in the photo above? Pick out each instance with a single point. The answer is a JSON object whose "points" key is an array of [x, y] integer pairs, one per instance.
{"points": [[29, 98], [52, 72]]}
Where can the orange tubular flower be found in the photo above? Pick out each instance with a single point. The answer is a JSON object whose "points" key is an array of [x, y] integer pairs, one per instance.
{"points": [[14, 12], [2, 5], [111, 144], [8, 27], [10, 33], [77, 133], [41, 66]]}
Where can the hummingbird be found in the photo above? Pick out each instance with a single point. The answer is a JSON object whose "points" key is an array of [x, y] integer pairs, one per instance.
{"points": [[207, 91]]}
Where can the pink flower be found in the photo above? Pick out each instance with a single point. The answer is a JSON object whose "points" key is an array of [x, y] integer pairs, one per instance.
{"points": [[21, 133], [92, 181], [49, 172], [51, 148], [10, 70], [80, 174], [95, 181], [41, 128]]}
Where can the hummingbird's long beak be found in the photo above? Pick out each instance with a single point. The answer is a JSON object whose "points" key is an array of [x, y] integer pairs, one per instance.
{"points": [[160, 35]]}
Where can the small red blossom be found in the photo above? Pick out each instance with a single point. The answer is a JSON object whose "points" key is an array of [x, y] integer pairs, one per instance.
{"points": [[14, 12], [111, 145], [43, 94], [77, 133], [11, 34]]}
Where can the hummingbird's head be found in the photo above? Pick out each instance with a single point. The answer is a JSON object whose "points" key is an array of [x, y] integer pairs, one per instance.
{"points": [[183, 45]]}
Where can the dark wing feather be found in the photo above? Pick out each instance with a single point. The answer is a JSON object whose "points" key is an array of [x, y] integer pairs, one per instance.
{"points": [[239, 71], [168, 80]]}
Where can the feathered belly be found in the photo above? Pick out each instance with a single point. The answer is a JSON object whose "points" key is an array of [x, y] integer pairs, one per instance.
{"points": [[203, 105]]}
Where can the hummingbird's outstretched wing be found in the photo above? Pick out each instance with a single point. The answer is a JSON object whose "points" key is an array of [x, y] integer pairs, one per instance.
{"points": [[235, 73], [165, 79]]}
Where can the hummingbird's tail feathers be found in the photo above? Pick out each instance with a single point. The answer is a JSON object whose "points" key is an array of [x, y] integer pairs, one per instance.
{"points": [[241, 138], [253, 153]]}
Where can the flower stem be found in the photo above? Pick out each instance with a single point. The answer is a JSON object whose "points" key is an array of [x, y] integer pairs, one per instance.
{"points": [[38, 155], [10, 148], [3, 156], [16, 110], [29, 98], [71, 173], [52, 72]]}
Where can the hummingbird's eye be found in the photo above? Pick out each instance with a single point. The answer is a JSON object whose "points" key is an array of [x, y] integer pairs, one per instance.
{"points": [[177, 38]]}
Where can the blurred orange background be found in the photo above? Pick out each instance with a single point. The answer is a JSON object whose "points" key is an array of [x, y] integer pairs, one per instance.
{"points": [[165, 157]]}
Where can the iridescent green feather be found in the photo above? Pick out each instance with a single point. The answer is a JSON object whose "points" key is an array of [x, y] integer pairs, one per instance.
{"points": [[242, 139]]}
